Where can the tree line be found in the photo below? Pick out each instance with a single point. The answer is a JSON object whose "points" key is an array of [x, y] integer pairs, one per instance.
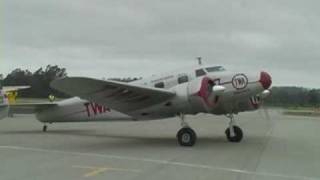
{"points": [[41, 78], [294, 97], [38, 80]]}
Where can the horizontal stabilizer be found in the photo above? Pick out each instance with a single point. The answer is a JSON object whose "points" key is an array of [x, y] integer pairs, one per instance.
{"points": [[14, 88], [29, 108]]}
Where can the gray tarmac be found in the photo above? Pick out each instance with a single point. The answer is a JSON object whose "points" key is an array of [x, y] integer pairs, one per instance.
{"points": [[287, 147]]}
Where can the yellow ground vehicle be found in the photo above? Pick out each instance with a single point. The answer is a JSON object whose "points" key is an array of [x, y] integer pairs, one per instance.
{"points": [[12, 96], [12, 92]]}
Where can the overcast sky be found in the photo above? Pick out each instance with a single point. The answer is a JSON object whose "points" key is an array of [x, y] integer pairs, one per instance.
{"points": [[118, 38]]}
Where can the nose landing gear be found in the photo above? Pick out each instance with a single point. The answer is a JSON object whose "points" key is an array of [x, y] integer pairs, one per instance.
{"points": [[233, 132], [186, 136]]}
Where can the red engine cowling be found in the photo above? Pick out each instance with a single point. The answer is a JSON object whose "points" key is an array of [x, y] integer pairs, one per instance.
{"points": [[201, 94]]}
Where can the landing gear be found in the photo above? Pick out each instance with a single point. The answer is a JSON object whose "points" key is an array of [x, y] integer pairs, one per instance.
{"points": [[44, 128], [186, 136], [233, 132]]}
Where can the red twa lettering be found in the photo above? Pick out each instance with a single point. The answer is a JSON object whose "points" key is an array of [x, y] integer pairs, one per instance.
{"points": [[95, 109], [87, 108]]}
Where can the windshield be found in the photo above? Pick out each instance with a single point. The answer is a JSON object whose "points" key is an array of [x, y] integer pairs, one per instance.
{"points": [[215, 69]]}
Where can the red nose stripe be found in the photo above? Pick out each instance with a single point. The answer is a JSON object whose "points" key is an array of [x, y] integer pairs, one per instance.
{"points": [[265, 80]]}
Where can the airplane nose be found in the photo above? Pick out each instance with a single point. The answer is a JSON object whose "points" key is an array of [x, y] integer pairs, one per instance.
{"points": [[265, 80]]}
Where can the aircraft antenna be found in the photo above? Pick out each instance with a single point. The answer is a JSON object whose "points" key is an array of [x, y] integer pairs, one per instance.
{"points": [[199, 60]]}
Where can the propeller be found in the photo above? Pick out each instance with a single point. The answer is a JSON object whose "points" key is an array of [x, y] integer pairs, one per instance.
{"points": [[266, 93], [269, 122], [265, 110]]}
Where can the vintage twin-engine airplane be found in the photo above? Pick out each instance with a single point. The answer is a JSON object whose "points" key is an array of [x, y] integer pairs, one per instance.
{"points": [[204, 89]]}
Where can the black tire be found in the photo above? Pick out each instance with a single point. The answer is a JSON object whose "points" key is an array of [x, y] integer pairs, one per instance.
{"points": [[186, 137], [44, 129], [238, 134]]}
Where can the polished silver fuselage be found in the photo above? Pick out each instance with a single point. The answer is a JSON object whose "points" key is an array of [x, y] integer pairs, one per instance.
{"points": [[191, 98]]}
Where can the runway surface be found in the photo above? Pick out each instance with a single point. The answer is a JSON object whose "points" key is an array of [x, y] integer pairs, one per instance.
{"points": [[284, 148]]}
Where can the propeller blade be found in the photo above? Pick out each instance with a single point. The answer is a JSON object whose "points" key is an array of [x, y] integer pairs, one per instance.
{"points": [[266, 112]]}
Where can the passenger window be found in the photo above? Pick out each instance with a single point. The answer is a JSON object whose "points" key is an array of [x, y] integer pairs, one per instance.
{"points": [[159, 85], [215, 69], [200, 72], [183, 79]]}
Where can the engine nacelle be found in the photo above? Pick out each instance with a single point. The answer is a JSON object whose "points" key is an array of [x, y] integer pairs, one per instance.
{"points": [[199, 95], [230, 93]]}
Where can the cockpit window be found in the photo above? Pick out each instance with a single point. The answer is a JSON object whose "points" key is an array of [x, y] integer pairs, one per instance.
{"points": [[200, 72], [183, 79], [215, 69]]}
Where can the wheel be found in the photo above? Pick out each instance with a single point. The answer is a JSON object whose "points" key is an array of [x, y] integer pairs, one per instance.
{"points": [[44, 128], [237, 132], [186, 137]]}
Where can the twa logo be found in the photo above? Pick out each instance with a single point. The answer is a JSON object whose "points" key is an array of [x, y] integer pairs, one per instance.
{"points": [[239, 81], [94, 109]]}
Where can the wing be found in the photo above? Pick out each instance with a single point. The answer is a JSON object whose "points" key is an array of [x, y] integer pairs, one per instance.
{"points": [[14, 88], [120, 96], [29, 108]]}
